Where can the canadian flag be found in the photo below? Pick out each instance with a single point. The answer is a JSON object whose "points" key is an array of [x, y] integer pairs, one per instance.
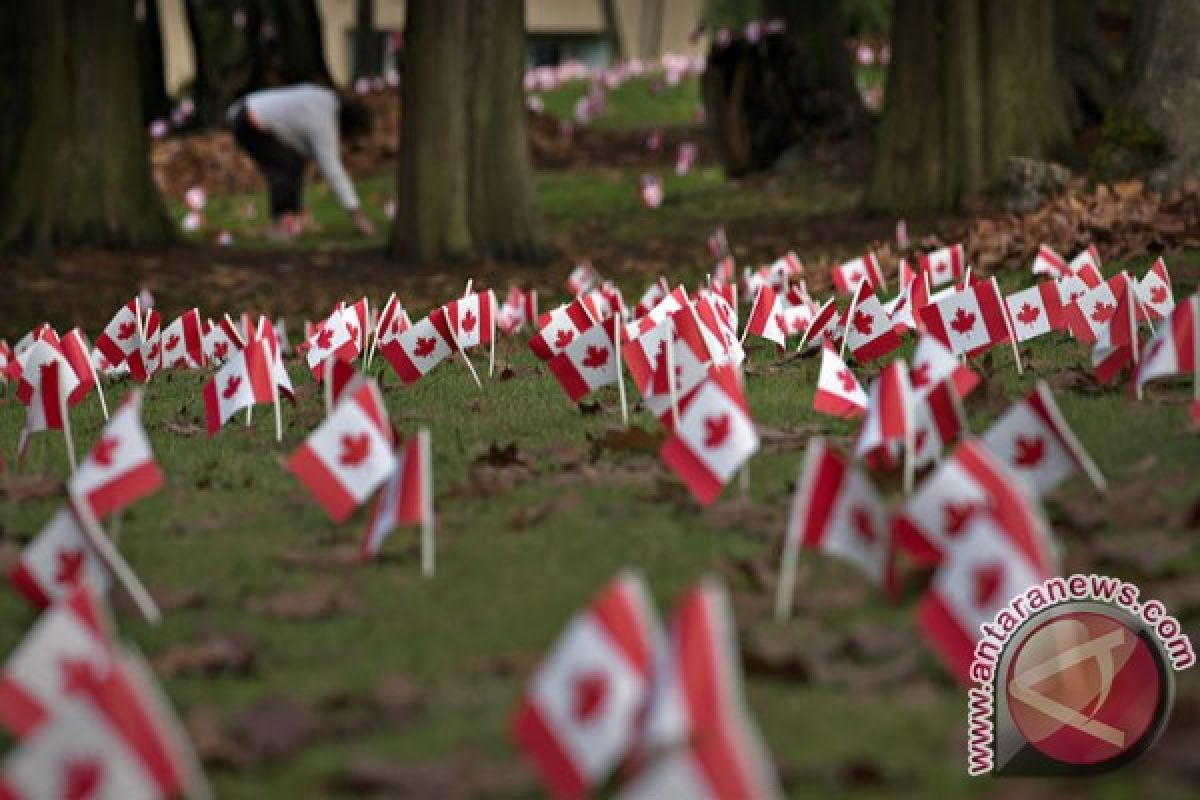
{"points": [[1172, 351], [1034, 441], [838, 393], [933, 364], [520, 308], [1118, 343], [701, 741], [650, 189], [1071, 290], [582, 277], [121, 336], [388, 315], [654, 294], [766, 317], [221, 340], [870, 334], [47, 382], [714, 438], [71, 634], [849, 276], [7, 363], [407, 496], [422, 347], [668, 305], [75, 350], [988, 565], [1089, 317], [58, 559], [647, 360], [183, 342], [120, 469], [938, 420], [891, 415], [824, 325], [588, 362], [473, 318], [1048, 262], [348, 455], [1030, 310], [943, 266], [969, 321], [1154, 291], [113, 737], [244, 381], [358, 325], [557, 328], [336, 337], [836, 510], [1086, 261], [903, 308], [581, 712], [146, 359], [718, 327]]}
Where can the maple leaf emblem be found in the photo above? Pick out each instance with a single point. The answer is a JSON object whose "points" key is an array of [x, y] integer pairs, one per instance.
{"points": [[919, 375], [596, 357], [355, 449], [986, 582], [716, 430], [847, 379], [152, 353], [179, 363], [956, 515], [588, 695], [83, 779], [425, 346], [231, 386], [102, 453], [172, 341], [220, 350], [70, 562], [324, 338], [78, 676], [1028, 451], [963, 321], [1158, 295], [563, 338], [863, 526], [468, 321], [1103, 312], [853, 277], [126, 329], [352, 329], [396, 327], [863, 323], [1028, 314]]}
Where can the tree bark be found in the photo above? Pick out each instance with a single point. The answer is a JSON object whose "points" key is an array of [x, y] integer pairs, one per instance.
{"points": [[971, 83], [151, 75], [73, 160], [1164, 75]]}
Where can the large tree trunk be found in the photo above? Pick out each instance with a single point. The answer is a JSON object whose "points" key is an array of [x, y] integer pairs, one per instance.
{"points": [[762, 98], [1164, 71], [465, 182], [73, 163], [152, 79], [971, 83]]}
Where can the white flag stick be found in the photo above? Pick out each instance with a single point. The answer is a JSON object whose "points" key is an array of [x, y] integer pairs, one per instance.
{"points": [[750, 316], [327, 369], [467, 361], [620, 370], [1012, 336], [115, 562], [470, 284], [428, 544], [671, 389], [492, 351], [787, 569], [278, 410], [66, 421], [846, 327]]}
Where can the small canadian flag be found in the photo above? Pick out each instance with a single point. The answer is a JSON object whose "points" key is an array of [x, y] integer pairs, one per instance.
{"points": [[582, 278], [700, 740], [183, 342], [336, 337], [75, 350], [969, 321], [221, 340], [47, 382], [422, 347], [1089, 317], [122, 335], [146, 359], [348, 455], [1154, 291], [933, 364], [1050, 263], [766, 317], [557, 328], [120, 469], [835, 510], [849, 276], [938, 420], [891, 416], [838, 393], [587, 363], [870, 334], [943, 266], [57, 560], [520, 309], [581, 712], [1030, 310], [244, 381], [1173, 350], [714, 438], [1087, 260], [473, 319], [407, 496]]}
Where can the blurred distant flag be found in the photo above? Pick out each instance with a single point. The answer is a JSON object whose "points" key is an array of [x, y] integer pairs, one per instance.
{"points": [[1086, 261], [849, 275], [1049, 263], [146, 358], [933, 364], [1154, 292], [766, 318], [120, 468], [1173, 350], [685, 157], [943, 266], [870, 333], [221, 339], [122, 335], [183, 342], [336, 337], [406, 498], [583, 276], [887, 431], [838, 392], [520, 308], [419, 349], [589, 361], [650, 189], [58, 559], [243, 381]]}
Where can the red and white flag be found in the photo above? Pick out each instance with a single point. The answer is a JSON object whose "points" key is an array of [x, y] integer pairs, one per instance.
{"points": [[221, 339], [58, 559], [407, 496], [1048, 262], [1086, 261], [938, 420], [870, 334], [766, 317], [650, 190], [1089, 316], [587, 363], [75, 350], [47, 382], [1154, 291], [244, 381], [933, 364], [849, 276], [714, 438], [701, 742], [348, 455], [675, 342], [943, 266], [336, 337], [582, 278], [122, 335], [1118, 344], [183, 342], [1030, 310], [838, 393], [121, 468], [581, 712], [422, 347], [891, 416], [903, 308], [1034, 441], [969, 321], [1172, 351], [520, 309], [557, 328], [473, 319], [146, 359]]}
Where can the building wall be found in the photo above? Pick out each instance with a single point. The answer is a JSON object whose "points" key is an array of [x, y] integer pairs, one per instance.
{"points": [[577, 19]]}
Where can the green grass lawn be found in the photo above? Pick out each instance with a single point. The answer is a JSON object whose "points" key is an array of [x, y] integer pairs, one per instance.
{"points": [[633, 104]]}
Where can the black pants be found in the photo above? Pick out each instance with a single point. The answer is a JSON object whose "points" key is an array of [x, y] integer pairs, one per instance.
{"points": [[281, 165]]}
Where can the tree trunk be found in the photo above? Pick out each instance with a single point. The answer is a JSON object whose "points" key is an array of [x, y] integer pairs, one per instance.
{"points": [[431, 216], [368, 53], [1164, 72], [151, 74], [73, 162], [1089, 66], [971, 83]]}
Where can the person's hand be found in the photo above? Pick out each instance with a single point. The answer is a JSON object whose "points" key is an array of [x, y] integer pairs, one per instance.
{"points": [[362, 223]]}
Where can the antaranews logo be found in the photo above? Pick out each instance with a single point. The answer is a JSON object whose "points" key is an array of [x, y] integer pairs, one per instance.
{"points": [[1075, 676]]}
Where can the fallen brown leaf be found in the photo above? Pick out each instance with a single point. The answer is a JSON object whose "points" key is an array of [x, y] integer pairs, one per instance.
{"points": [[322, 598], [213, 655]]}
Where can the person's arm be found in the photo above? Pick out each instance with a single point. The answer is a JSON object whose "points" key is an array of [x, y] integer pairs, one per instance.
{"points": [[326, 153]]}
